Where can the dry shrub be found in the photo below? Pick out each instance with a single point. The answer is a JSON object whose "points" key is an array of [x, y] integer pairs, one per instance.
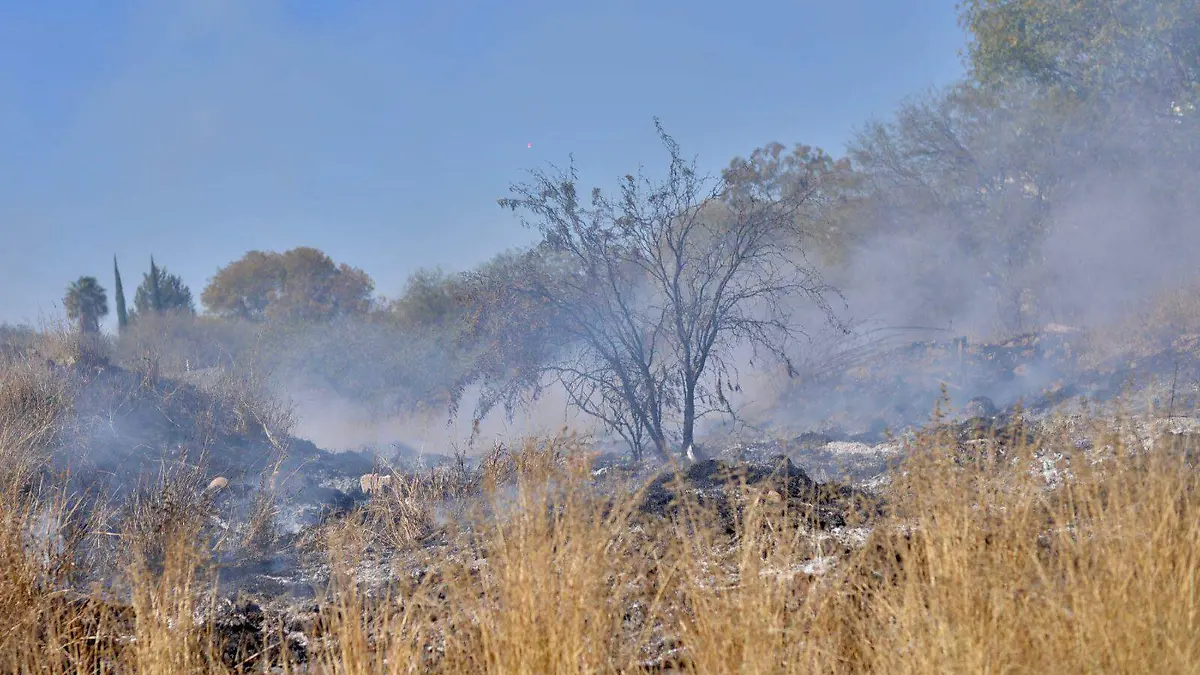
{"points": [[34, 404], [246, 392], [259, 532], [745, 601], [16, 343], [409, 508], [50, 629], [364, 635], [402, 514], [24, 583], [181, 342], [68, 347], [541, 586], [42, 531], [45, 628], [174, 509], [535, 459]]}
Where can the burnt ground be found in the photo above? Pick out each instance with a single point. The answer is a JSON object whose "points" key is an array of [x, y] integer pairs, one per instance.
{"points": [[127, 432]]}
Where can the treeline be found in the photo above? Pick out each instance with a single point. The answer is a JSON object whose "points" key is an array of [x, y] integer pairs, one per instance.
{"points": [[969, 201], [297, 313]]}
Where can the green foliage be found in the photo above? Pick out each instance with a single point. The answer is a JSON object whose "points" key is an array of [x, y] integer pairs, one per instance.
{"points": [[1118, 81], [509, 333], [119, 291], [829, 185], [431, 298], [161, 291], [155, 301], [302, 284], [1147, 51], [86, 303], [970, 172]]}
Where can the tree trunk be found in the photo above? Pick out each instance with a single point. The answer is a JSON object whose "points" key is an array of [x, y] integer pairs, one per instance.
{"points": [[689, 415], [660, 447]]}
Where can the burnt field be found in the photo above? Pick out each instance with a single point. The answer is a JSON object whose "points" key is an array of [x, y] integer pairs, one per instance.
{"points": [[156, 522], [309, 377]]}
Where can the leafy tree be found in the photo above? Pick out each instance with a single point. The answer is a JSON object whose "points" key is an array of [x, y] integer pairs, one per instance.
{"points": [[825, 219], [646, 295], [245, 287], [1144, 51], [302, 284], [122, 315], [315, 289], [510, 333], [1122, 76], [1065, 100], [86, 303], [971, 173], [161, 291], [432, 298]]}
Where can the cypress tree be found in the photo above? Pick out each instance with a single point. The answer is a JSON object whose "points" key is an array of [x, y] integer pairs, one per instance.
{"points": [[155, 294], [122, 317]]}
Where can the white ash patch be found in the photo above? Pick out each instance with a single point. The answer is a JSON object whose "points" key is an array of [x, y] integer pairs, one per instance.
{"points": [[855, 448], [810, 568]]}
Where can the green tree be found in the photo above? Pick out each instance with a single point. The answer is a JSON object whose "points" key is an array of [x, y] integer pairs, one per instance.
{"points": [[119, 291], [830, 185], [972, 176], [1120, 77], [303, 284], [1146, 51], [161, 291], [155, 300], [431, 298], [86, 303]]}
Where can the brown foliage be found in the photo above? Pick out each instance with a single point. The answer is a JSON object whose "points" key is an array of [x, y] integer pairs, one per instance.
{"points": [[302, 284]]}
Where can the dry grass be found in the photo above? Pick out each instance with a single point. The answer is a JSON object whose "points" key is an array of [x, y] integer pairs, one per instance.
{"points": [[978, 566], [986, 570], [33, 405]]}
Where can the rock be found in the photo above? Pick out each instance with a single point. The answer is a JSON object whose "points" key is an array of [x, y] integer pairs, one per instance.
{"points": [[216, 485], [373, 483], [981, 406]]}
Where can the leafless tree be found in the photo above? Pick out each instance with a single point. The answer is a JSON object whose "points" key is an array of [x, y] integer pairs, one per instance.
{"points": [[643, 298]]}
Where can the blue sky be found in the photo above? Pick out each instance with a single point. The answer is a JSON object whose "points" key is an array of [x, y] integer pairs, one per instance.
{"points": [[383, 132]]}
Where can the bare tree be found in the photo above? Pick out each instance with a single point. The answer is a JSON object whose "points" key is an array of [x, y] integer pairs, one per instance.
{"points": [[643, 299]]}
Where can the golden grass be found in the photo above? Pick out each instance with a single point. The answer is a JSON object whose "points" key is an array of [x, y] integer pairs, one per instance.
{"points": [[977, 566]]}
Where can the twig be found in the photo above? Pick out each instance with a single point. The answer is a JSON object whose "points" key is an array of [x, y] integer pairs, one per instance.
{"points": [[1174, 382]]}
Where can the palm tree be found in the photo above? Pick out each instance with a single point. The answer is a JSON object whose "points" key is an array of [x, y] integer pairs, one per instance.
{"points": [[86, 302]]}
